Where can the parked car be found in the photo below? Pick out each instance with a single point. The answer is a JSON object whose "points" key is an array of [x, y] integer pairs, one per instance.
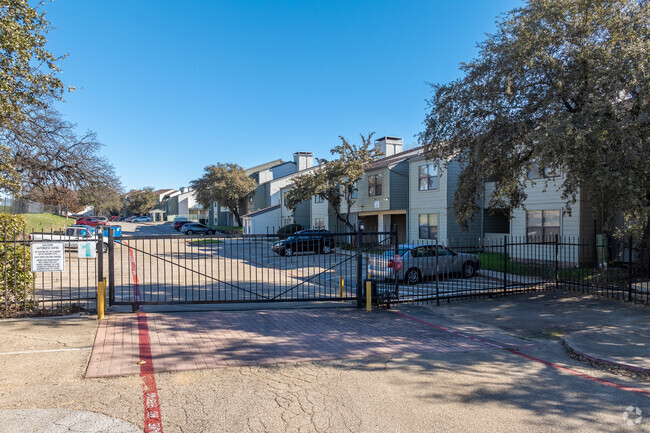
{"points": [[130, 219], [71, 238], [192, 228], [91, 221], [180, 223], [142, 219], [114, 218], [419, 262], [314, 240]]}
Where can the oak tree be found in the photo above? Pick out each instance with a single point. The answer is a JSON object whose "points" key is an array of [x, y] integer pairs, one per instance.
{"points": [[562, 85], [335, 180], [228, 184]]}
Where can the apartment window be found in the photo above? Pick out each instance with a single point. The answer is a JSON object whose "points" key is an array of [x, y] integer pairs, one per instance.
{"points": [[318, 199], [428, 225], [427, 177], [374, 185], [536, 173], [319, 223], [542, 224]]}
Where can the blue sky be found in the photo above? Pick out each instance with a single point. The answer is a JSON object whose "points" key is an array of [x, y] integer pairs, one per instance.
{"points": [[171, 87]]}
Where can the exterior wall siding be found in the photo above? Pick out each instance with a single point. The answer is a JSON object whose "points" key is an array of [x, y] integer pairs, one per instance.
{"points": [[426, 202], [364, 203], [399, 186]]}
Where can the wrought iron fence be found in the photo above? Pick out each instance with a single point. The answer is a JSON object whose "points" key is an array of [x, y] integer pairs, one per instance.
{"points": [[317, 266]]}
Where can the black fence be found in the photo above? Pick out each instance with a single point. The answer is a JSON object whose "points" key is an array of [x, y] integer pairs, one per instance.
{"points": [[70, 288], [178, 269]]}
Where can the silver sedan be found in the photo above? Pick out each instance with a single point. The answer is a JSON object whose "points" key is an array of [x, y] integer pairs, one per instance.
{"points": [[419, 262]]}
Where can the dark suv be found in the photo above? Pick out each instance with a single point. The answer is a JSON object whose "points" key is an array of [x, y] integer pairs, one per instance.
{"points": [[316, 240]]}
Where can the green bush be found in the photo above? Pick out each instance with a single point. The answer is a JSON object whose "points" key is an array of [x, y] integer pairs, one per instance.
{"points": [[289, 229], [16, 280]]}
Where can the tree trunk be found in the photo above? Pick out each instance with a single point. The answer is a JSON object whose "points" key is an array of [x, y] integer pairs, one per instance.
{"points": [[237, 217]]}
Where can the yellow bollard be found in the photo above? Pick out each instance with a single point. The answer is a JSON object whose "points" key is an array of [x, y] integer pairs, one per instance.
{"points": [[101, 299], [341, 287], [368, 296], [104, 289]]}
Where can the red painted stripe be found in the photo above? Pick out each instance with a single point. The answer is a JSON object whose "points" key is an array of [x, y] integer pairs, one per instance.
{"points": [[134, 275], [532, 358], [152, 414]]}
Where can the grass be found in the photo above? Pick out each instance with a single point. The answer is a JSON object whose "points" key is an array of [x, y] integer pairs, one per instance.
{"points": [[494, 262], [39, 222]]}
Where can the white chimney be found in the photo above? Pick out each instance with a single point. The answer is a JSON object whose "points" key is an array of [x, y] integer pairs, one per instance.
{"points": [[389, 146], [303, 160]]}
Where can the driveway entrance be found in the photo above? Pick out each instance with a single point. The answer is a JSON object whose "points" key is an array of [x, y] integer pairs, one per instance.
{"points": [[193, 341]]}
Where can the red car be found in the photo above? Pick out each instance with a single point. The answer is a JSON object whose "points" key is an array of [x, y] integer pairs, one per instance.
{"points": [[180, 223], [113, 218], [91, 221]]}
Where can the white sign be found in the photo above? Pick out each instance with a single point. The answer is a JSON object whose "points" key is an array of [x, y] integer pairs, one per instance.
{"points": [[87, 250], [224, 209], [376, 204], [48, 257]]}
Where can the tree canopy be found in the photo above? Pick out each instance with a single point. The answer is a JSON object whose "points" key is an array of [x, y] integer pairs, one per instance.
{"points": [[141, 201], [562, 85], [45, 150], [227, 184], [28, 71], [335, 180]]}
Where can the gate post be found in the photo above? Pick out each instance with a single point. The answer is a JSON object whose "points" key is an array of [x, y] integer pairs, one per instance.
{"points": [[111, 268], [359, 266], [629, 269], [437, 276], [396, 230], [101, 289], [557, 261], [505, 264]]}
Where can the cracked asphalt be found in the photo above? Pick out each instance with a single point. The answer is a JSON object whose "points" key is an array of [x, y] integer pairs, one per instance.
{"points": [[487, 391]]}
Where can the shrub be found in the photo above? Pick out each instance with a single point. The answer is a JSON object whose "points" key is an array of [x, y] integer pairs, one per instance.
{"points": [[289, 230], [15, 266]]}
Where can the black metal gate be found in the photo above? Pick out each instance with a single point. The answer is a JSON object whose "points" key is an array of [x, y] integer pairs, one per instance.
{"points": [[175, 269]]}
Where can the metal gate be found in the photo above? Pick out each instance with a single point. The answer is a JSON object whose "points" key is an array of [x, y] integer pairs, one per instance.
{"points": [[176, 269]]}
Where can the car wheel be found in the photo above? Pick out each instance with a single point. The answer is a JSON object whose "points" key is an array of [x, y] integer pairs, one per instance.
{"points": [[288, 252], [104, 248], [469, 270], [211, 232], [189, 232], [412, 276], [327, 249]]}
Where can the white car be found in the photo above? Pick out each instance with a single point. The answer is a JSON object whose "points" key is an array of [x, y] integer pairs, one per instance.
{"points": [[142, 219]]}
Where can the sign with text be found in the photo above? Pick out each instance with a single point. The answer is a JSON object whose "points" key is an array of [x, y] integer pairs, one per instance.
{"points": [[48, 257], [87, 250]]}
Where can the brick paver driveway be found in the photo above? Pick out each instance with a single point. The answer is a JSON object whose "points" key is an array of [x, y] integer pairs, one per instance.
{"points": [[192, 341]]}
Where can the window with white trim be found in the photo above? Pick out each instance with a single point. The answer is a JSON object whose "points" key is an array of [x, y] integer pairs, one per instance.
{"points": [[318, 199], [374, 185], [542, 224], [427, 177], [428, 225]]}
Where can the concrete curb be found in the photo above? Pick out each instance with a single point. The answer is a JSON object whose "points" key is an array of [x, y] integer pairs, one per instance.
{"points": [[571, 348]]}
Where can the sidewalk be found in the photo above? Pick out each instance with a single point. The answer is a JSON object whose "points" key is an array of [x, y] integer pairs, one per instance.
{"points": [[601, 331], [626, 347]]}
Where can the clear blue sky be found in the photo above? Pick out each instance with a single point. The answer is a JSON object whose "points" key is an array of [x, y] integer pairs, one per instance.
{"points": [[171, 87]]}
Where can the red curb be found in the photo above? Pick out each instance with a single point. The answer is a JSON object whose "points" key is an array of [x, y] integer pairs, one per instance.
{"points": [[532, 358], [152, 416]]}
